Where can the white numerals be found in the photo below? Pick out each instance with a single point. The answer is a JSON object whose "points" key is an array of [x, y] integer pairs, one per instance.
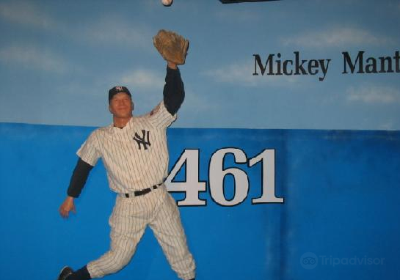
{"points": [[218, 175], [267, 159], [191, 186]]}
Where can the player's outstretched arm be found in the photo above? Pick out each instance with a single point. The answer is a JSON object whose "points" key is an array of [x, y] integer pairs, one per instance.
{"points": [[67, 206], [174, 90]]}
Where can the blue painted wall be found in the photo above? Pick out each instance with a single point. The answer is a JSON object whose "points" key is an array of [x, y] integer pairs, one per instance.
{"points": [[339, 219]]}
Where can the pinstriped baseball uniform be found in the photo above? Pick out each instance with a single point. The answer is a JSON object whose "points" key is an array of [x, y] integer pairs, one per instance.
{"points": [[136, 158]]}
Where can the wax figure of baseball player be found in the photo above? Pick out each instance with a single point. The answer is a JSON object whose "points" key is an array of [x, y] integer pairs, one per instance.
{"points": [[135, 155]]}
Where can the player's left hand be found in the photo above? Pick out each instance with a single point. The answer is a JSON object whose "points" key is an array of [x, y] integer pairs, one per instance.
{"points": [[67, 206]]}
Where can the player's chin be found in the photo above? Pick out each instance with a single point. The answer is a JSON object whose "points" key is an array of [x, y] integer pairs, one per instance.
{"points": [[123, 114]]}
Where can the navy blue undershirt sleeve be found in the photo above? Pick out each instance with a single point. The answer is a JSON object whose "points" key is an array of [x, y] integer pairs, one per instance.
{"points": [[174, 91], [78, 178]]}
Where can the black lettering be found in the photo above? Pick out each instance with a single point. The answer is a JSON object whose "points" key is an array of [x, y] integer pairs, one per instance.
{"points": [[278, 65], [370, 67], [299, 67], [313, 67], [386, 68], [324, 68], [347, 61], [397, 59], [269, 62], [285, 63]]}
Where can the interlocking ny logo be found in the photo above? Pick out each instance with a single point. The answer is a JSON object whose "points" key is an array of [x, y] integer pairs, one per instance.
{"points": [[144, 140]]}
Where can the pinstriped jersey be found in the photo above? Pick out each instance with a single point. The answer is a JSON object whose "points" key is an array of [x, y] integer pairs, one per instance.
{"points": [[136, 156]]}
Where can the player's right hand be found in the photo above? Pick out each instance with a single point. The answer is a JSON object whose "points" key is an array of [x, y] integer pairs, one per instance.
{"points": [[67, 206]]}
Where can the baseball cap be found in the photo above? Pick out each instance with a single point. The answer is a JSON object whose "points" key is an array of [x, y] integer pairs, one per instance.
{"points": [[118, 89]]}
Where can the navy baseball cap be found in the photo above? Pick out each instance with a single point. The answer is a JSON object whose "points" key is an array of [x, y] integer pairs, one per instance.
{"points": [[118, 89]]}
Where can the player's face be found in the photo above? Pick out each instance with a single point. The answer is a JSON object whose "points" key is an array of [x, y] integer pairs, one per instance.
{"points": [[121, 105]]}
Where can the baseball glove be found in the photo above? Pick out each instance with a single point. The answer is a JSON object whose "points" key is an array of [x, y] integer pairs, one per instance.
{"points": [[172, 46]]}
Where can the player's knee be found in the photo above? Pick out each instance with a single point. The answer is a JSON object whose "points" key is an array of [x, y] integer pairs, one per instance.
{"points": [[117, 261]]}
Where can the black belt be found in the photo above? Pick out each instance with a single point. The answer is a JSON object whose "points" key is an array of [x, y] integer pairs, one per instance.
{"points": [[141, 192]]}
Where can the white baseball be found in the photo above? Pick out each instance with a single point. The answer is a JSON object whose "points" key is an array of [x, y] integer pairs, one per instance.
{"points": [[167, 2]]}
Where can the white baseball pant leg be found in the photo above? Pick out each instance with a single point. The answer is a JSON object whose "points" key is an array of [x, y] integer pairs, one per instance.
{"points": [[128, 223], [167, 228]]}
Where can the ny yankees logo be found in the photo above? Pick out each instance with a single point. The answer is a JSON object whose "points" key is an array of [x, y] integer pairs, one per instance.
{"points": [[144, 140]]}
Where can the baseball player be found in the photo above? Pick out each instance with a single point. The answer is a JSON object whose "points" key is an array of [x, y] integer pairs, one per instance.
{"points": [[134, 152]]}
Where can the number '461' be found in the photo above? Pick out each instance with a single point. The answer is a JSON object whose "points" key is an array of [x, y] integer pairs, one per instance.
{"points": [[192, 186]]}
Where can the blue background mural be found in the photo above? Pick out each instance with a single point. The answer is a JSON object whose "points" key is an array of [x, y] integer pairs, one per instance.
{"points": [[338, 219]]}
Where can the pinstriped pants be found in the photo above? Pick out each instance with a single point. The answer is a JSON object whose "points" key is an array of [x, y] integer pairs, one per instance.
{"points": [[128, 222]]}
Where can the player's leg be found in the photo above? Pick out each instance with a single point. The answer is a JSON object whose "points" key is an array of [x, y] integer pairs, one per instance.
{"points": [[121, 251], [127, 228], [123, 247], [169, 232]]}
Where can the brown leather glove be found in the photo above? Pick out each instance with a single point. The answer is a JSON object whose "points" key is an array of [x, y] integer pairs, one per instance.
{"points": [[172, 46]]}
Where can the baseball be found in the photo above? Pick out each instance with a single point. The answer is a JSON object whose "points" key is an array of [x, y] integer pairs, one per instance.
{"points": [[167, 2]]}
